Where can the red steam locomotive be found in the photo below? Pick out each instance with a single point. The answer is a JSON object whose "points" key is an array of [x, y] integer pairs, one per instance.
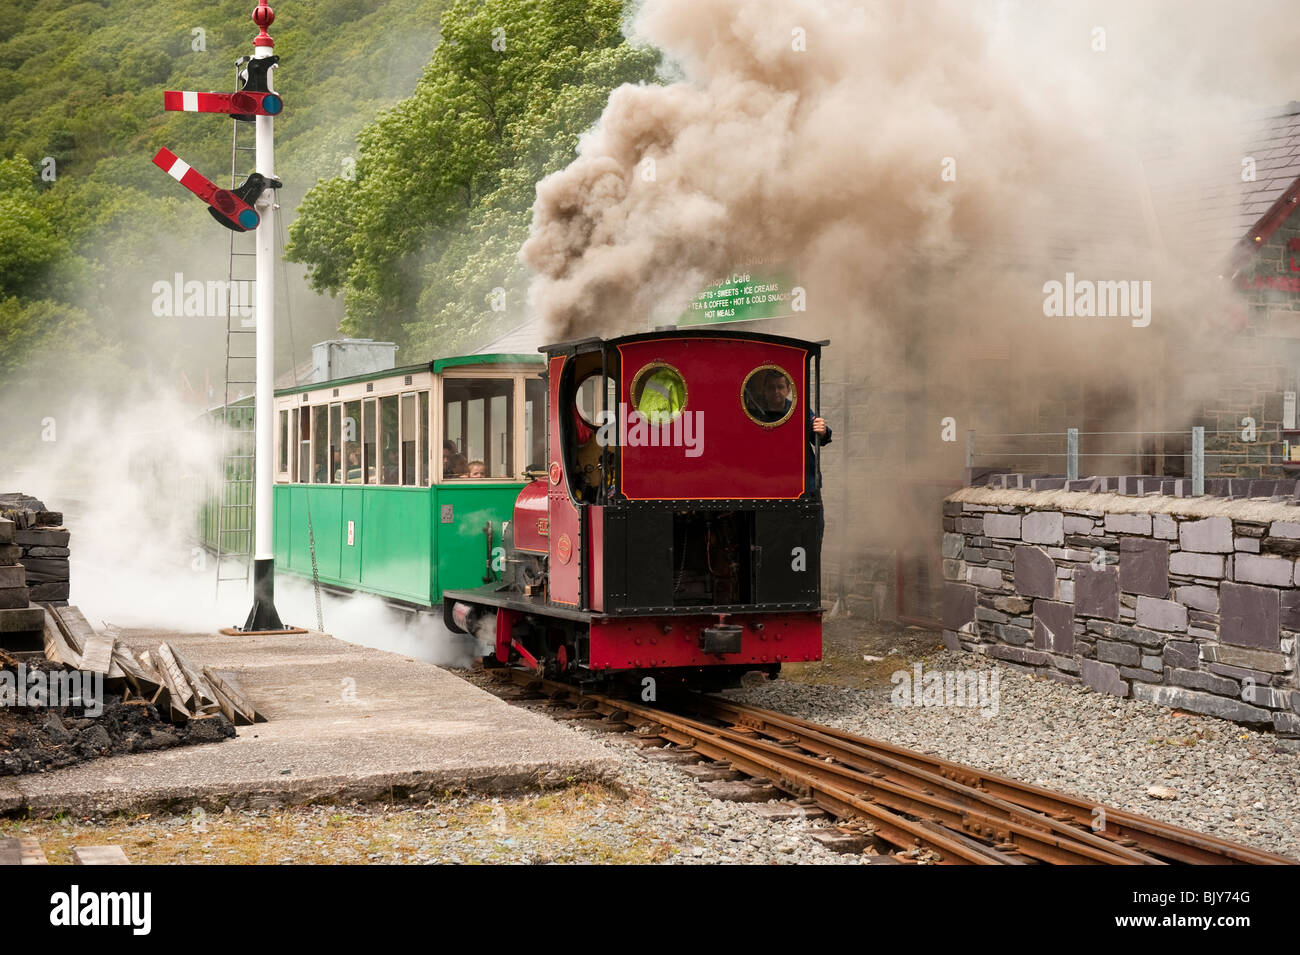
{"points": [[675, 527]]}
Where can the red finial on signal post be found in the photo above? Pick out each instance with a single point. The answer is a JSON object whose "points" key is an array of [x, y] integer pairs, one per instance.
{"points": [[263, 16]]}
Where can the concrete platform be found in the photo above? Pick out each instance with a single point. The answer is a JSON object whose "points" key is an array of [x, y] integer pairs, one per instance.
{"points": [[345, 722]]}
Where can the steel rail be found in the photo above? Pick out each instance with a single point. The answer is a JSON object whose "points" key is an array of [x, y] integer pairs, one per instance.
{"points": [[1164, 840]]}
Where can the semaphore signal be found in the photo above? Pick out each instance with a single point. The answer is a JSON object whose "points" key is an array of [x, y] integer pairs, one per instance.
{"points": [[233, 208]]}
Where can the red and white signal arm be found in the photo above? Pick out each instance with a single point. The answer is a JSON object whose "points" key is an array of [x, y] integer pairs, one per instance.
{"points": [[233, 211], [241, 103]]}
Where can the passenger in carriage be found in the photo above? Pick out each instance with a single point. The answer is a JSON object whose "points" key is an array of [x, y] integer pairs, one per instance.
{"points": [[454, 464], [477, 469]]}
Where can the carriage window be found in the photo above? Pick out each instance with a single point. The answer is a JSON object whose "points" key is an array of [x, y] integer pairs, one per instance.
{"points": [[479, 416], [535, 423], [368, 441], [319, 417], [388, 440], [408, 439], [336, 444], [304, 446], [659, 392], [768, 395], [352, 441], [284, 441], [422, 402]]}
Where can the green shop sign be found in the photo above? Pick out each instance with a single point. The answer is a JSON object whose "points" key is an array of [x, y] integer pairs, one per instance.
{"points": [[746, 297]]}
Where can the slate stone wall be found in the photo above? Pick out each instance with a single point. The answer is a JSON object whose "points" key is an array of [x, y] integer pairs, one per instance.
{"points": [[1192, 612]]}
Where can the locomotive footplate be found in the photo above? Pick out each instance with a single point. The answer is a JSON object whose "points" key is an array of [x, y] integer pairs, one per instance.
{"points": [[724, 638]]}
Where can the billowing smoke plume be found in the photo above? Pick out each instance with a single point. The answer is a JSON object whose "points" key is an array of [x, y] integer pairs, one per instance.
{"points": [[893, 153], [922, 170]]}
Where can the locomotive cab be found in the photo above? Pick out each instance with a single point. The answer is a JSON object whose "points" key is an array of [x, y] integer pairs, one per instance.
{"points": [[681, 528]]}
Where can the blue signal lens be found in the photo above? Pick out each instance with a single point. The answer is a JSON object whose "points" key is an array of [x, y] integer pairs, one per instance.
{"points": [[272, 104], [249, 219]]}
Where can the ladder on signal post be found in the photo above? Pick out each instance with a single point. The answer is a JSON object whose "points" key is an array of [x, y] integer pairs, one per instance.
{"points": [[234, 541]]}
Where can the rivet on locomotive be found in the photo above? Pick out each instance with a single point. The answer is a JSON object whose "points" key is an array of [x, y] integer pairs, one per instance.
{"points": [[675, 526]]}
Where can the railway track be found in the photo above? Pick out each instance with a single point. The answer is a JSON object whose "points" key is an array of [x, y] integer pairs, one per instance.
{"points": [[908, 802]]}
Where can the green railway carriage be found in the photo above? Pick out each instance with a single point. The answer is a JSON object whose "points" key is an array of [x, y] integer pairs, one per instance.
{"points": [[405, 477]]}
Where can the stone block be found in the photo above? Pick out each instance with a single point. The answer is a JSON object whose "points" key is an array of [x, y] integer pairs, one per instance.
{"points": [[1016, 636], [1128, 524], [1266, 660], [1004, 526], [988, 577], [1153, 662], [958, 605], [954, 570], [1144, 567], [9, 554], [1140, 674], [990, 616], [1015, 605], [14, 598], [1198, 598], [1261, 694], [1245, 545], [1240, 674], [1183, 654], [1102, 677], [971, 525], [1065, 590], [1043, 527], [6, 531], [1122, 653], [1034, 658], [1096, 592], [1164, 527], [951, 641], [1054, 627], [1290, 618], [1200, 680], [1035, 573], [1286, 724], [13, 576], [1223, 707], [1272, 571], [1168, 615], [1249, 616], [1213, 535], [953, 544], [1286, 529], [1077, 525], [1195, 565]]}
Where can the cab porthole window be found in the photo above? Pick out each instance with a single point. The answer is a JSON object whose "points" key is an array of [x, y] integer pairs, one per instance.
{"points": [[659, 392], [768, 396]]}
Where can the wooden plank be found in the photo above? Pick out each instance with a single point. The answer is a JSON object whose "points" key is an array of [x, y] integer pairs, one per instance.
{"points": [[99, 855], [204, 693], [21, 850], [228, 681], [57, 649], [234, 706], [74, 626], [143, 681], [97, 655], [179, 692]]}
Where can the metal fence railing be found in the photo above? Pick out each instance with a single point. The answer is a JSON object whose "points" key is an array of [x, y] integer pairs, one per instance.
{"points": [[1188, 447]]}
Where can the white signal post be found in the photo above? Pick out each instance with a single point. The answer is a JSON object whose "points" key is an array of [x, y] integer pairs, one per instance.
{"points": [[263, 616]]}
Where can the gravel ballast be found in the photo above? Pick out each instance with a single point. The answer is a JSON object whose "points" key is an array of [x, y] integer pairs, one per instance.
{"points": [[1229, 781]]}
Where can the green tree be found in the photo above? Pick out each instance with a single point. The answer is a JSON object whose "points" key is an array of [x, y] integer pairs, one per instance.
{"points": [[431, 223]]}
